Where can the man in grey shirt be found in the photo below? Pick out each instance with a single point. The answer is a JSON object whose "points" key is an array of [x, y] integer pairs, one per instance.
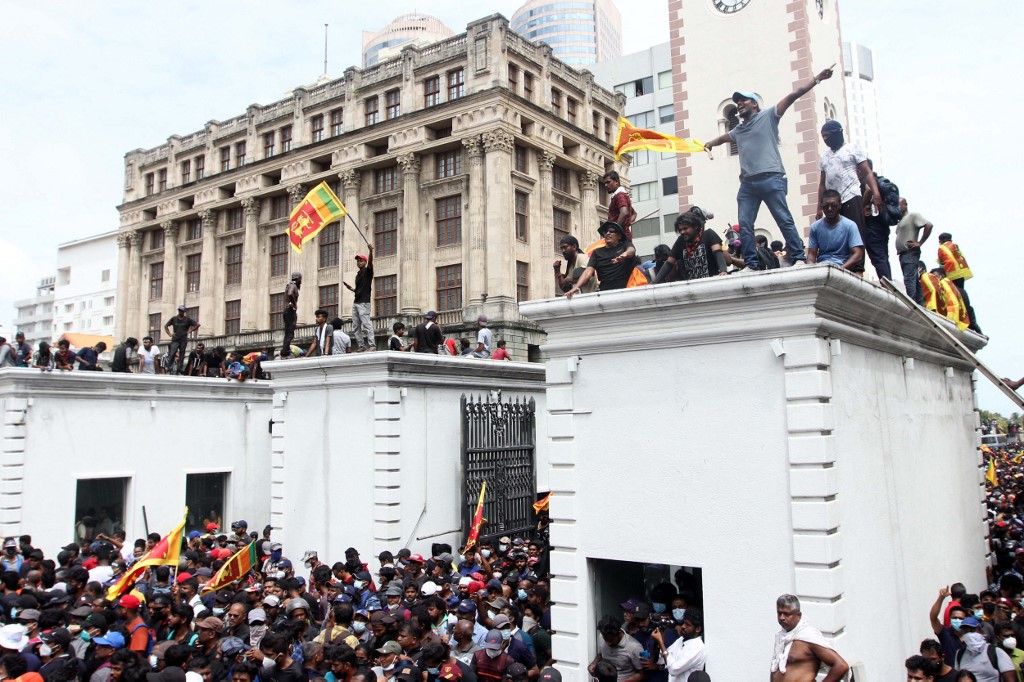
{"points": [[908, 248], [762, 176]]}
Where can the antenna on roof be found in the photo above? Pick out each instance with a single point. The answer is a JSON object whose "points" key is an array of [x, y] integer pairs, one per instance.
{"points": [[325, 49]]}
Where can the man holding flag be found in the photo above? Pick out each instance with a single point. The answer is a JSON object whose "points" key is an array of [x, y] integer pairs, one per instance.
{"points": [[762, 176], [164, 553]]}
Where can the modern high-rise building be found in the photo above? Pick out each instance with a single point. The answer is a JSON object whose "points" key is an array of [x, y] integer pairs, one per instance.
{"points": [[464, 162], [85, 294], [783, 44], [578, 32], [35, 315], [407, 29], [862, 101]]}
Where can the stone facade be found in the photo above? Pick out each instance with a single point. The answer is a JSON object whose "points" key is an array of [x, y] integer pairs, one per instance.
{"points": [[433, 153]]}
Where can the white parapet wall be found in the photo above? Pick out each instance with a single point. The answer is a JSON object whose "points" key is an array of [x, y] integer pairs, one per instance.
{"points": [[60, 429], [794, 431], [366, 449]]}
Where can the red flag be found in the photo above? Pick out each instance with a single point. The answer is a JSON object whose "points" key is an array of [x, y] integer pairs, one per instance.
{"points": [[235, 568], [164, 553], [478, 520], [543, 504]]}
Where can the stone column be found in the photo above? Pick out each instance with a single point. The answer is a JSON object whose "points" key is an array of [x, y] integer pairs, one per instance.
{"points": [[500, 235], [588, 208], [474, 241], [135, 294], [210, 316], [412, 242], [171, 297], [351, 242], [124, 286], [251, 258], [306, 263], [543, 246]]}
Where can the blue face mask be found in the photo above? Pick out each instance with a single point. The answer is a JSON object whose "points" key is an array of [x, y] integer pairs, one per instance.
{"points": [[275, 555], [658, 608], [979, 614], [522, 595], [956, 623], [677, 615]]}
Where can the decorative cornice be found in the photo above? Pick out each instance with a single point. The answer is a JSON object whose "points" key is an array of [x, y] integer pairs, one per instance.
{"points": [[498, 141]]}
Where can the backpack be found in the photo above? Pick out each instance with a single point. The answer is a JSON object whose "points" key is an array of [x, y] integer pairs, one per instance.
{"points": [[766, 259], [890, 211], [989, 649], [150, 637]]}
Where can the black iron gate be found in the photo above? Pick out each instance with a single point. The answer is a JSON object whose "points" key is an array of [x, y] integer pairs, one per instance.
{"points": [[498, 442]]}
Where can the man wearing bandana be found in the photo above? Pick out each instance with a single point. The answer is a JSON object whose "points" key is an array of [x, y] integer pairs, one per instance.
{"points": [[842, 168], [697, 251]]}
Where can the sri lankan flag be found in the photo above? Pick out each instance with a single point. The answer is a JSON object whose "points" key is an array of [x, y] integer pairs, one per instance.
{"points": [[990, 475], [631, 138], [235, 568], [164, 553], [314, 213], [478, 520], [543, 504]]}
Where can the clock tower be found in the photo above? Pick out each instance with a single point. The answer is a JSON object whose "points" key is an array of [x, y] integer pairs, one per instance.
{"points": [[763, 46]]}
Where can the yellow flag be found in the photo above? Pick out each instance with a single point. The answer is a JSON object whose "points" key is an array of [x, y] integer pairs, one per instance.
{"points": [[991, 475]]}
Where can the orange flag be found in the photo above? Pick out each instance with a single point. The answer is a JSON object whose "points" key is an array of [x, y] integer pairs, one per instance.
{"points": [[631, 138], [543, 504], [478, 520], [164, 553]]}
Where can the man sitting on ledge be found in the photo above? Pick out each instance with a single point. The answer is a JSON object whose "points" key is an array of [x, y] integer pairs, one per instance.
{"points": [[835, 239], [613, 263]]}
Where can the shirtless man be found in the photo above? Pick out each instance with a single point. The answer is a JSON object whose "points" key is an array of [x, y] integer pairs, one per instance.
{"points": [[800, 649]]}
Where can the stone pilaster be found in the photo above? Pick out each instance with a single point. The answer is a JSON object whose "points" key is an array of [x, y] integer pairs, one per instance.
{"points": [[588, 223], [542, 248], [252, 302], [171, 297], [412, 253], [351, 242], [135, 294], [306, 262], [500, 246], [210, 315], [474, 239], [124, 286], [12, 464]]}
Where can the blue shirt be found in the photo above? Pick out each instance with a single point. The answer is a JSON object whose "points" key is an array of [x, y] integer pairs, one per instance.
{"points": [[90, 356], [834, 242]]}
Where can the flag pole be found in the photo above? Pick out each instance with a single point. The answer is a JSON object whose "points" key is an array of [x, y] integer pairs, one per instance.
{"points": [[355, 225]]}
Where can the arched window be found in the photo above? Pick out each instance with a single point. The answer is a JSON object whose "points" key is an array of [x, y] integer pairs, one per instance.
{"points": [[727, 120]]}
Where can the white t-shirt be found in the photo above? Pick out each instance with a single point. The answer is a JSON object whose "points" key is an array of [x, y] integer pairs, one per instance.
{"points": [[981, 666], [149, 358], [486, 337], [840, 168], [341, 343]]}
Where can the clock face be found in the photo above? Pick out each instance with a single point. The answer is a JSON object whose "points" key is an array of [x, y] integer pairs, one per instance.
{"points": [[730, 6], [821, 8]]}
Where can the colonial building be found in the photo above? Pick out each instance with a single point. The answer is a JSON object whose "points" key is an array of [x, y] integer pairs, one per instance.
{"points": [[464, 162]]}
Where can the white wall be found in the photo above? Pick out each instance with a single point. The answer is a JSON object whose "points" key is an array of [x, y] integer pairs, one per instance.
{"points": [[60, 428], [367, 447], [80, 267], [767, 430]]}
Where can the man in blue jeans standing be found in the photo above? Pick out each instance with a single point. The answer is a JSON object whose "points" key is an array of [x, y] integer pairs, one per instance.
{"points": [[762, 176]]}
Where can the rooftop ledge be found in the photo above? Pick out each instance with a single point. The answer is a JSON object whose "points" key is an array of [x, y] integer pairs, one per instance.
{"points": [[820, 300]]}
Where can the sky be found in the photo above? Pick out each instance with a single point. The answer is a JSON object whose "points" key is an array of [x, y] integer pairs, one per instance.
{"points": [[84, 82]]}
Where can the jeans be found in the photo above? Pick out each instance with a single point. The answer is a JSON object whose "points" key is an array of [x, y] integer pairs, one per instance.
{"points": [[179, 348], [911, 280], [876, 243], [854, 210], [772, 191], [290, 318], [959, 284], [362, 327]]}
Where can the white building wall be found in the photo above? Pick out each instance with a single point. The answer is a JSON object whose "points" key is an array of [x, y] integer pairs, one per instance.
{"points": [[34, 316], [797, 432], [862, 102], [61, 428], [86, 286]]}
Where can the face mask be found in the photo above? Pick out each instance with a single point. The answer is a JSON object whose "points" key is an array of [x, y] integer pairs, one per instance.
{"points": [[218, 612], [85, 636], [836, 140], [390, 667], [502, 548], [658, 608], [493, 653], [1010, 643], [677, 615], [492, 614], [506, 635], [529, 623], [358, 584], [268, 663], [979, 614], [45, 650], [358, 627], [956, 623], [522, 595], [275, 555], [307, 564], [497, 574]]}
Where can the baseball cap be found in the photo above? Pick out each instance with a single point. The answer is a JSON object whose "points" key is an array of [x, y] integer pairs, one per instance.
{"points": [[257, 615], [500, 621], [129, 601], [550, 675], [275, 546], [182, 577], [271, 600], [971, 622], [193, 535], [407, 673], [492, 640], [360, 256], [211, 623], [394, 590], [464, 581], [429, 589], [743, 94], [641, 611], [629, 604], [232, 646], [430, 314], [58, 636], [832, 126], [417, 558], [29, 615], [113, 639], [210, 527], [466, 606], [10, 542], [494, 584], [81, 611], [393, 647], [284, 563], [182, 308]]}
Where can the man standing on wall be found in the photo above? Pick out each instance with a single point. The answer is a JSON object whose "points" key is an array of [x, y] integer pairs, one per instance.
{"points": [[762, 176], [183, 325], [908, 248], [362, 327], [958, 272], [800, 649], [291, 306], [620, 206]]}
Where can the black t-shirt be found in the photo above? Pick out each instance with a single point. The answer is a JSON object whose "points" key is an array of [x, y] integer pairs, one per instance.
{"points": [[364, 281], [213, 363], [701, 261], [119, 363], [395, 343], [428, 338], [612, 275], [948, 677], [180, 327]]}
